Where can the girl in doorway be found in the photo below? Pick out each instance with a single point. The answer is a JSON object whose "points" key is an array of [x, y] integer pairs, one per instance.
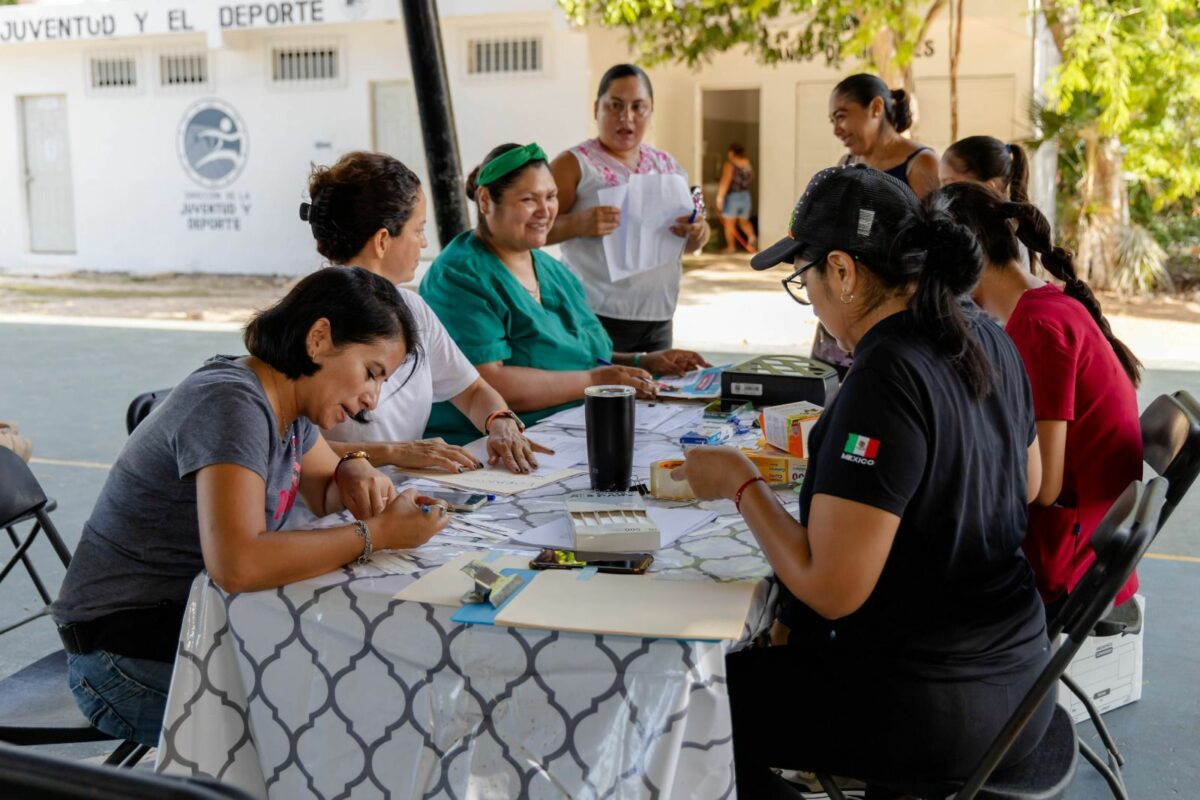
{"points": [[733, 199]]}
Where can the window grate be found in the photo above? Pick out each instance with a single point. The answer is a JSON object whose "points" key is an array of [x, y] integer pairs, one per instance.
{"points": [[306, 64], [520, 54], [114, 73], [183, 69]]}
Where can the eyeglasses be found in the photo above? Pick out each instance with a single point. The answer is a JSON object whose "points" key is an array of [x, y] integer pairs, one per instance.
{"points": [[798, 289], [616, 107]]}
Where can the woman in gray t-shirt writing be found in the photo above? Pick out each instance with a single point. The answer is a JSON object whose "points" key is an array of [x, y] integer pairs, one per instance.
{"points": [[206, 480]]}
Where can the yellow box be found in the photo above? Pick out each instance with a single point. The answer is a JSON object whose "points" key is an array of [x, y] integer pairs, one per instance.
{"points": [[787, 426], [777, 467]]}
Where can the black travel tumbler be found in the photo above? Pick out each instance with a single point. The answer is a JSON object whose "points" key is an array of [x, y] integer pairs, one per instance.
{"points": [[608, 411]]}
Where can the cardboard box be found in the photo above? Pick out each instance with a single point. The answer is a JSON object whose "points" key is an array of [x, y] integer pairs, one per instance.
{"points": [[611, 522], [1108, 669], [778, 468], [787, 426], [773, 379]]}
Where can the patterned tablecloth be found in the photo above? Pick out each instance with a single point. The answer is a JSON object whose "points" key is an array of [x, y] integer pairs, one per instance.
{"points": [[332, 688]]}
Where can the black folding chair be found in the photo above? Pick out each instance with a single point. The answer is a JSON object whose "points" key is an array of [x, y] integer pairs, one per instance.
{"points": [[28, 775], [1171, 446], [1119, 541], [142, 405], [36, 705]]}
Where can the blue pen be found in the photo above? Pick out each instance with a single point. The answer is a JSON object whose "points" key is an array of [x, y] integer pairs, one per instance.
{"points": [[603, 362]]}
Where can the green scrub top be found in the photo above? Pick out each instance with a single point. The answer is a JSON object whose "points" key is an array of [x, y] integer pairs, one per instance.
{"points": [[492, 317]]}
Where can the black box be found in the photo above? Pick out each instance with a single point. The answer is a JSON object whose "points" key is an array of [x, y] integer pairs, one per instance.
{"points": [[774, 380]]}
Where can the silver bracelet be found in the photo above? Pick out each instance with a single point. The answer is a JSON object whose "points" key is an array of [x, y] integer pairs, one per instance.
{"points": [[364, 533]]}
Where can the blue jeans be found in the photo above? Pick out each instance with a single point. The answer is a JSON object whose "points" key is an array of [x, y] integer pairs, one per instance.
{"points": [[124, 697]]}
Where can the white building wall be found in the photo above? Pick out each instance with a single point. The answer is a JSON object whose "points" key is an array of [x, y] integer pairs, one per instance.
{"points": [[130, 188]]}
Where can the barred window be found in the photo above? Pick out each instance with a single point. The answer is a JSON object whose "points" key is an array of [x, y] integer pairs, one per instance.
{"points": [[114, 73], [183, 69], [305, 64], [511, 54]]}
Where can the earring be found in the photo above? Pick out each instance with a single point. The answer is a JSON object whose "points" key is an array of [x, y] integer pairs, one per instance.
{"points": [[847, 298]]}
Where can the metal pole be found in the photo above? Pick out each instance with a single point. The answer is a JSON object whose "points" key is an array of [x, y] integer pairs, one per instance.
{"points": [[437, 118]]}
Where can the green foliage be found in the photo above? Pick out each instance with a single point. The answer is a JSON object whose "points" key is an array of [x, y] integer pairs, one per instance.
{"points": [[691, 31], [1141, 262], [1132, 68]]}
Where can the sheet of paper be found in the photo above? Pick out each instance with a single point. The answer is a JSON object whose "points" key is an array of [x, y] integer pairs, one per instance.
{"points": [[673, 523], [446, 585], [648, 416], [568, 451], [631, 605], [645, 455], [649, 206], [497, 480], [701, 384]]}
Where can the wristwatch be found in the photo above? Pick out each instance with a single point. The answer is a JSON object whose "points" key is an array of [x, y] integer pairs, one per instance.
{"points": [[495, 415], [350, 455]]}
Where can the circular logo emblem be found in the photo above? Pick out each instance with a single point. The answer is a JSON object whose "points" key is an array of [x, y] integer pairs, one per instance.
{"points": [[355, 9], [212, 144]]}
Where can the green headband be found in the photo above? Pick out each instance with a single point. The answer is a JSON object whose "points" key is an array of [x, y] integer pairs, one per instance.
{"points": [[503, 164]]}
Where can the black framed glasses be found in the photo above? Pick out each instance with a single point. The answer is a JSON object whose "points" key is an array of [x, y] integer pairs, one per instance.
{"points": [[797, 288]]}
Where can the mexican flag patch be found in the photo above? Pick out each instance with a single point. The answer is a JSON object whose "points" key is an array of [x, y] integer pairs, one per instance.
{"points": [[859, 445]]}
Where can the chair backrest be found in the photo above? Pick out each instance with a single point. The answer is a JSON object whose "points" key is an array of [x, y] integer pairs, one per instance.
{"points": [[1171, 443], [27, 773], [1120, 541], [142, 405], [20, 493]]}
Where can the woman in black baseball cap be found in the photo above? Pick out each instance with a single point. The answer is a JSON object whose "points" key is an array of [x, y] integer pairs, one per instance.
{"points": [[914, 627]]}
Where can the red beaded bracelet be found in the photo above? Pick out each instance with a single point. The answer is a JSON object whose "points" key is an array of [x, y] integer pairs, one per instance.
{"points": [[737, 496]]}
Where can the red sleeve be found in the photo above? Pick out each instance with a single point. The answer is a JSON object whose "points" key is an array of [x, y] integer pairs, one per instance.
{"points": [[1051, 359]]}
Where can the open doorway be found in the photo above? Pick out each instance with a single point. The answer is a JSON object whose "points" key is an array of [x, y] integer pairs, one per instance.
{"points": [[730, 117]]}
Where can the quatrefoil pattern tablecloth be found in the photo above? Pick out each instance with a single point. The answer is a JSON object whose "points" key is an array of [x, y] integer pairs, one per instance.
{"points": [[331, 688]]}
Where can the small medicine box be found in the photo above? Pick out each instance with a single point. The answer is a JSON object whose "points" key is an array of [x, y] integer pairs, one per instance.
{"points": [[787, 426]]}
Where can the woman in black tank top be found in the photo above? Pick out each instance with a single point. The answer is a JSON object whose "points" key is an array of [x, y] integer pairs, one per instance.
{"points": [[869, 118]]}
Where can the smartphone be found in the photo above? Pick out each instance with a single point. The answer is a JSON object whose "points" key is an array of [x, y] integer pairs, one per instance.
{"points": [[620, 563], [457, 501]]}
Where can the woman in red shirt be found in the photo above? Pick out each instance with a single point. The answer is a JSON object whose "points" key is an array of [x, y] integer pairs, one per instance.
{"points": [[1084, 383]]}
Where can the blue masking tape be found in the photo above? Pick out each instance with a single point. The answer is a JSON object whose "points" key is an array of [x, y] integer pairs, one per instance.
{"points": [[587, 573], [491, 556], [485, 613]]}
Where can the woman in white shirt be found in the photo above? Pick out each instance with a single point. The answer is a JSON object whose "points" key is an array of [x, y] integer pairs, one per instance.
{"points": [[636, 311], [368, 210]]}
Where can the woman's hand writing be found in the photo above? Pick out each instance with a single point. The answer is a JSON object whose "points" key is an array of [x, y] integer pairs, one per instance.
{"points": [[410, 520], [639, 379]]}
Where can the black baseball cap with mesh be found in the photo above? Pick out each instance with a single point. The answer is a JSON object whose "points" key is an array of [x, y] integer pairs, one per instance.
{"points": [[856, 209]]}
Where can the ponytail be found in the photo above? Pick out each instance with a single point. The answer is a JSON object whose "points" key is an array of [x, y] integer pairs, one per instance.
{"points": [[1033, 229], [1018, 179], [946, 260]]}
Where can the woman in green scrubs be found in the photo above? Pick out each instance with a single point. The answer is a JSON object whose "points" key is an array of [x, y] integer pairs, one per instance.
{"points": [[520, 315]]}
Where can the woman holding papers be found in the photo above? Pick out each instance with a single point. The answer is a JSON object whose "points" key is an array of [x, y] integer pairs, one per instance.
{"points": [[368, 210], [206, 481], [634, 301], [517, 313], [915, 626], [1084, 383]]}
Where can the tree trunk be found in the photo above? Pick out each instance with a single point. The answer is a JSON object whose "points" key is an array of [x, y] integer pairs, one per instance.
{"points": [[1104, 209], [883, 58]]}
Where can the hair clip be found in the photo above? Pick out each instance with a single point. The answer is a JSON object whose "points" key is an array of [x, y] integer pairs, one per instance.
{"points": [[305, 211]]}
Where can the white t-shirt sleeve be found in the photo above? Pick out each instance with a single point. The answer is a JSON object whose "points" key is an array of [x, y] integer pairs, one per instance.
{"points": [[449, 369]]}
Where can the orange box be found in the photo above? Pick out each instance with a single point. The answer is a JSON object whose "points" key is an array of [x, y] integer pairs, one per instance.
{"points": [[787, 426]]}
